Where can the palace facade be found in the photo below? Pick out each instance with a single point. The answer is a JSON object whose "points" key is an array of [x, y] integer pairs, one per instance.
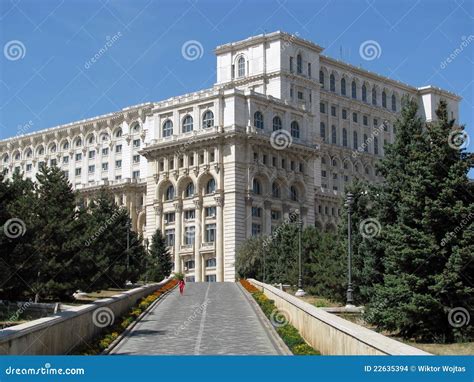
{"points": [[283, 131]]}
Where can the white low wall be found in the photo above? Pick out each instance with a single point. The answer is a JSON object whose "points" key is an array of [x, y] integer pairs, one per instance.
{"points": [[61, 333], [330, 334]]}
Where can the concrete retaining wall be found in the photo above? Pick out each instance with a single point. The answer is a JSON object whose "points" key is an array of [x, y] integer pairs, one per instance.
{"points": [[331, 334], [61, 333]]}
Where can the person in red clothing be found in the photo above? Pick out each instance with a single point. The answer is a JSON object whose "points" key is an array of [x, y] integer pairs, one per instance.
{"points": [[181, 286]]}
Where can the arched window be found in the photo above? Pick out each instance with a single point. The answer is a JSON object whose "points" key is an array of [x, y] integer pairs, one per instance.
{"points": [[91, 139], [40, 151], [344, 137], [364, 93], [167, 128], [374, 96], [208, 119], [189, 191], [256, 187], [136, 128], [17, 156], [355, 143], [321, 78], [295, 129], [78, 142], [275, 190], [241, 67], [322, 131], [394, 103], [333, 135], [211, 186], [29, 153], [366, 144], [299, 64], [293, 193], [169, 193], [376, 146], [354, 90], [53, 148], [277, 123], [384, 99], [187, 124], [118, 133], [343, 86], [65, 145], [258, 120], [332, 83], [5, 158]]}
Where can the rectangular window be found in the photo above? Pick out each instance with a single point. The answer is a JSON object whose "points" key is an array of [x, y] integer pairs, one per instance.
{"points": [[376, 122], [333, 111], [189, 264], [211, 278], [291, 92], [189, 234], [354, 117], [66, 159], [212, 156], [344, 114], [210, 233], [118, 148], [105, 151], [189, 214], [256, 212], [136, 159], [78, 156], [53, 162], [169, 235], [210, 212], [323, 173], [191, 160], [118, 164], [365, 120], [309, 69], [169, 217], [118, 177], [29, 166], [322, 107], [78, 171], [91, 169], [291, 64], [105, 166], [276, 215], [136, 174], [92, 154], [211, 263], [256, 229], [300, 95], [136, 143]]}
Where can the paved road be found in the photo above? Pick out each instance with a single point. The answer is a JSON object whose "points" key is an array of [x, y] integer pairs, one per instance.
{"points": [[210, 318]]}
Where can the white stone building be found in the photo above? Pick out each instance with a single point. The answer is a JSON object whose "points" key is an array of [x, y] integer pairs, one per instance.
{"points": [[284, 129]]}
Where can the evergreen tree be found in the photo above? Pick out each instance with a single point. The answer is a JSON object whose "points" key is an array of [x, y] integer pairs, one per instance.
{"points": [[249, 260], [426, 197], [160, 264]]}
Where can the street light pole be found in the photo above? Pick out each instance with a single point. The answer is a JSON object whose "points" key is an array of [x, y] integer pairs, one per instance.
{"points": [[128, 245], [300, 292], [349, 203]]}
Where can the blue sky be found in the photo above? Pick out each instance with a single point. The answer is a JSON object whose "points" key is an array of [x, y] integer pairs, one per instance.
{"points": [[47, 81]]}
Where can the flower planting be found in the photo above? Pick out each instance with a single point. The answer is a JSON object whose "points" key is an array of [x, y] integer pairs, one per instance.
{"points": [[288, 333]]}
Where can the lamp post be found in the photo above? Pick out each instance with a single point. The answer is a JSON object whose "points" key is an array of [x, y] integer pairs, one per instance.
{"points": [[146, 259], [300, 292], [128, 244], [349, 203]]}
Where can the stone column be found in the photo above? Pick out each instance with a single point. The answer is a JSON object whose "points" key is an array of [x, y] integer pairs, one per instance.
{"points": [[178, 206], [267, 217], [219, 237], [248, 215], [197, 241]]}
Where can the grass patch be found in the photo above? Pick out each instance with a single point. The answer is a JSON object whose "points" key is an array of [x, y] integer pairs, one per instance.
{"points": [[288, 333]]}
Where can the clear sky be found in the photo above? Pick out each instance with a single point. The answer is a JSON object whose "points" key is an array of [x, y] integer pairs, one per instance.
{"points": [[47, 77]]}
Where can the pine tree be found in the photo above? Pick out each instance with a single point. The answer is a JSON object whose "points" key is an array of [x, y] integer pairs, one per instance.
{"points": [[426, 197], [160, 263]]}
